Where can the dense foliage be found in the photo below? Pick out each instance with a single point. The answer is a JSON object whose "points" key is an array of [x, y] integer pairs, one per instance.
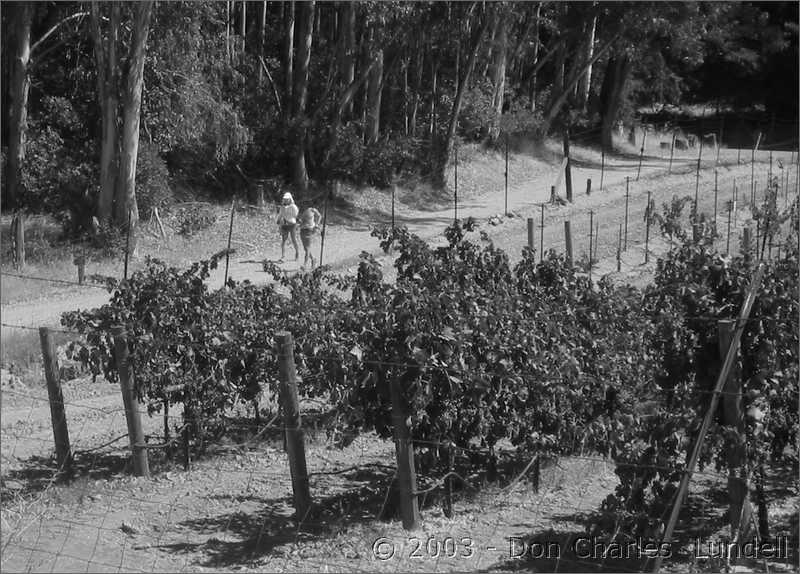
{"points": [[532, 357], [359, 91]]}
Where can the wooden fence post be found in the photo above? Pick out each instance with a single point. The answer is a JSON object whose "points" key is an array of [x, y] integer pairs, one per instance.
{"points": [[641, 154], [228, 251], [696, 232], [753, 166], [647, 217], [455, 188], [568, 241], [627, 194], [588, 186], [733, 416], [530, 234], [671, 153], [18, 231], [716, 192], [80, 262], [602, 165], [728, 241], [797, 176], [57, 414], [769, 171], [619, 250], [541, 237], [295, 442], [325, 221], [131, 402], [567, 168], [747, 241], [591, 240], [697, 176], [404, 453], [506, 178], [127, 246], [394, 193]]}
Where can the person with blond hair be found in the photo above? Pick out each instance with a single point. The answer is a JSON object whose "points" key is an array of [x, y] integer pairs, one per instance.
{"points": [[309, 223], [287, 221]]}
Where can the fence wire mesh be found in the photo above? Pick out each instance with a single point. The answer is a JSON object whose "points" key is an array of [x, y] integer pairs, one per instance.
{"points": [[233, 509]]}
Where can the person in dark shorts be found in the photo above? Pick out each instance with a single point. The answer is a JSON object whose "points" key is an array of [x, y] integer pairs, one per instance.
{"points": [[309, 223], [287, 220]]}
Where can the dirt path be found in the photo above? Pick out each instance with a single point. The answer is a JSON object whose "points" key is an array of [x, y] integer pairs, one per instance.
{"points": [[232, 511], [95, 412], [529, 185]]}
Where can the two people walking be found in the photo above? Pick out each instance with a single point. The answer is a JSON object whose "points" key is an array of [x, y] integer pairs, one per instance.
{"points": [[289, 219]]}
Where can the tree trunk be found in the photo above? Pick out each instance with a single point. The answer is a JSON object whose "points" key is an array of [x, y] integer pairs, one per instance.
{"points": [[126, 205], [420, 66], [347, 43], [228, 29], [558, 100], [300, 93], [611, 95], [514, 60], [406, 63], [490, 49], [586, 80], [345, 100], [288, 59], [558, 84], [243, 28], [374, 98], [20, 86], [499, 76], [262, 35], [108, 95], [535, 55], [447, 147]]}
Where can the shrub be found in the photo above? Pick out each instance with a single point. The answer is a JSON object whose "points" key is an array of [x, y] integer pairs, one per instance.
{"points": [[152, 180], [195, 218], [345, 160], [384, 159], [477, 113]]}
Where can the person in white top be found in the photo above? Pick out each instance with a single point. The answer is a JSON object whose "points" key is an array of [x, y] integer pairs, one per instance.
{"points": [[309, 223], [287, 220]]}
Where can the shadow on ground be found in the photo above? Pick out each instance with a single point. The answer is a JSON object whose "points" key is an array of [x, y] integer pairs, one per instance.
{"points": [[260, 533], [41, 473]]}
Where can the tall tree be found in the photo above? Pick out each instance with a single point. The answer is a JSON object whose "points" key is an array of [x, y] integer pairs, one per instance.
{"points": [[374, 89], [347, 49], [126, 204], [20, 87], [585, 82], [499, 70], [477, 21], [299, 99], [119, 86], [618, 70]]}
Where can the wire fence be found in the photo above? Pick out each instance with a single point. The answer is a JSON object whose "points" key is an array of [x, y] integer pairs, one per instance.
{"points": [[234, 509], [711, 174]]}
